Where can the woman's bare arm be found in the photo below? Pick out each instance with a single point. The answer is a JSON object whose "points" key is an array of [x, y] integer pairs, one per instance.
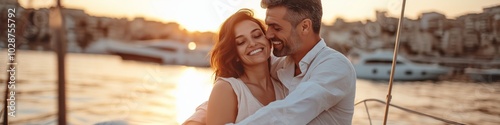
{"points": [[222, 104]]}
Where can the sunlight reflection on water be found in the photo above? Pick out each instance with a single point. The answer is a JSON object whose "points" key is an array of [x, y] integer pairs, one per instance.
{"points": [[192, 91]]}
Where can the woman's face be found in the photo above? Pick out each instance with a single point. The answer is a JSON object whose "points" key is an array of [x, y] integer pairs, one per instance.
{"points": [[252, 46]]}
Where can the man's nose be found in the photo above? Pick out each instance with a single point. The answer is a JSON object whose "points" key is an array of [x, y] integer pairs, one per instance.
{"points": [[269, 34]]}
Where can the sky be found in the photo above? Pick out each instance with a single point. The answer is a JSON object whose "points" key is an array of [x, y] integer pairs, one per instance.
{"points": [[207, 15]]}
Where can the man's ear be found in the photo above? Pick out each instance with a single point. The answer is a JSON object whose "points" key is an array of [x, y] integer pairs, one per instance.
{"points": [[306, 26]]}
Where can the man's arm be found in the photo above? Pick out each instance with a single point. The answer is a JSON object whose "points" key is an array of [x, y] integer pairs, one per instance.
{"points": [[199, 117], [329, 83], [193, 123]]}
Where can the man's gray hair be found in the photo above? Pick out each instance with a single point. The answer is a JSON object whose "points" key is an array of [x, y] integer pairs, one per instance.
{"points": [[299, 10]]}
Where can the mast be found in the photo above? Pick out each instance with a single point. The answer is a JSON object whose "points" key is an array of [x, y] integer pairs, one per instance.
{"points": [[394, 59], [57, 26]]}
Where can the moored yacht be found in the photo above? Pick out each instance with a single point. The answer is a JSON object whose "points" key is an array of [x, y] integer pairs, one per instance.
{"points": [[162, 52], [377, 66]]}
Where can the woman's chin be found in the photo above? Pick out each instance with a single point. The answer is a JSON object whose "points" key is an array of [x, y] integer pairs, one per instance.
{"points": [[258, 61]]}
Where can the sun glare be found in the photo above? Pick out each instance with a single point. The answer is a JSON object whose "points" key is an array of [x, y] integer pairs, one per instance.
{"points": [[192, 45], [200, 15], [193, 88], [193, 15]]}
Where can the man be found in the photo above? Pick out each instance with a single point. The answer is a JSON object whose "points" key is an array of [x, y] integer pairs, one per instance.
{"points": [[320, 80]]}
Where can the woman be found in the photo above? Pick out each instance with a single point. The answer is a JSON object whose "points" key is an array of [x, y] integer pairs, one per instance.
{"points": [[240, 59]]}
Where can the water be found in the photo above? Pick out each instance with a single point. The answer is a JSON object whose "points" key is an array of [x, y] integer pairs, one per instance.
{"points": [[103, 88]]}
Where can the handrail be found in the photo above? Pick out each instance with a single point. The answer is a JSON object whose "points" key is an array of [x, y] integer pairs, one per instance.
{"points": [[405, 109]]}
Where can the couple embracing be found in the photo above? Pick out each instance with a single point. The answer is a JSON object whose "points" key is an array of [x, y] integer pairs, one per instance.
{"points": [[305, 82]]}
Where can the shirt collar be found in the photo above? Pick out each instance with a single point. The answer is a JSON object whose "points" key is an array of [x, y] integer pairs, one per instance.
{"points": [[309, 57]]}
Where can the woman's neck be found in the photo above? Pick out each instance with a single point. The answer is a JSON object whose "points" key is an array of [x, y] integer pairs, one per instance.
{"points": [[257, 74]]}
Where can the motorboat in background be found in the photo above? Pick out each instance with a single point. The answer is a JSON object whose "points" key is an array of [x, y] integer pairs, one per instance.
{"points": [[377, 66], [160, 51]]}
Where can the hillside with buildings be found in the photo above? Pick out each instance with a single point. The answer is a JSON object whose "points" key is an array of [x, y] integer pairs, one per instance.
{"points": [[432, 35]]}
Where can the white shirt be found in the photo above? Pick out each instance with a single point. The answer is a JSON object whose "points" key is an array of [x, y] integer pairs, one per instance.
{"points": [[322, 94]]}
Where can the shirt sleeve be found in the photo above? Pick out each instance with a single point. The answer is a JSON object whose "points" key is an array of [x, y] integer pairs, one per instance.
{"points": [[329, 82], [200, 115]]}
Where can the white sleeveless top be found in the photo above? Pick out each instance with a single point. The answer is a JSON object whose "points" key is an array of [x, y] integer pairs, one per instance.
{"points": [[247, 103]]}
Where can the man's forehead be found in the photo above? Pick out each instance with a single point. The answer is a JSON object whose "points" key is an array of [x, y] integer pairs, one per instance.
{"points": [[275, 13]]}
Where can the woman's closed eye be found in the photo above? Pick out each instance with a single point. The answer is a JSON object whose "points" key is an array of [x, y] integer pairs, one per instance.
{"points": [[257, 35], [240, 42]]}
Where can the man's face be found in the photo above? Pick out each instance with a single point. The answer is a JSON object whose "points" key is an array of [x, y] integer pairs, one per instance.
{"points": [[281, 33]]}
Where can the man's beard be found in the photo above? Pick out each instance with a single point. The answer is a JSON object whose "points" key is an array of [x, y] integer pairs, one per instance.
{"points": [[281, 48]]}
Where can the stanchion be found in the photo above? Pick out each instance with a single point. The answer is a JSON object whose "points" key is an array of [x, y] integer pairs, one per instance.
{"points": [[394, 59]]}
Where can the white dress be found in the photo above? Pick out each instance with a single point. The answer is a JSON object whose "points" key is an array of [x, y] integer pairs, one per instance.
{"points": [[247, 103]]}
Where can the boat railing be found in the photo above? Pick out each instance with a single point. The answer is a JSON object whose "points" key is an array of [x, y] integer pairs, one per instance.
{"points": [[403, 109]]}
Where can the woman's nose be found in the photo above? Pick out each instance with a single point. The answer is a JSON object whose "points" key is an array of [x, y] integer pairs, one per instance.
{"points": [[251, 43]]}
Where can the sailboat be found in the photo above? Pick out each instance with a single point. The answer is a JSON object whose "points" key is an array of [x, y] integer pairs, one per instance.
{"points": [[61, 77]]}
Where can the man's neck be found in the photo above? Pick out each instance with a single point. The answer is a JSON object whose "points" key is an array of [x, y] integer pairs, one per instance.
{"points": [[307, 46]]}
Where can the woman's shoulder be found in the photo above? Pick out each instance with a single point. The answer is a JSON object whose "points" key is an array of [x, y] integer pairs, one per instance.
{"points": [[228, 80], [222, 84], [232, 84], [222, 90]]}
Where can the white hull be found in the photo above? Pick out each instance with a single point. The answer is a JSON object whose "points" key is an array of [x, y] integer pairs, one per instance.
{"points": [[163, 52], [382, 72], [377, 66]]}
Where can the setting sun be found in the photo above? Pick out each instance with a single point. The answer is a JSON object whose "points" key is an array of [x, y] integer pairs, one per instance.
{"points": [[192, 45], [194, 15], [199, 15]]}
